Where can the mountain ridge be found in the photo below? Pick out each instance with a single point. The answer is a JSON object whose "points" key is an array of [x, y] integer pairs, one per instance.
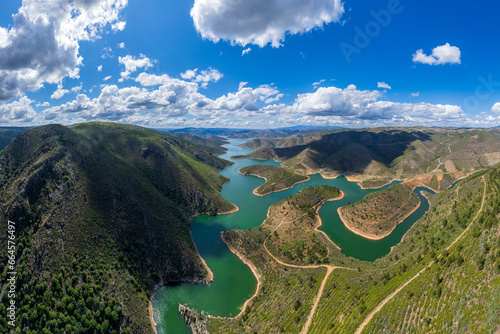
{"points": [[103, 211]]}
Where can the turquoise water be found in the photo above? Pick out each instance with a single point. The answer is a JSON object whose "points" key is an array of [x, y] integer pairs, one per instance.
{"points": [[234, 282]]}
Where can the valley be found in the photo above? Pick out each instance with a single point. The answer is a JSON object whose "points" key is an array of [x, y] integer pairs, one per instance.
{"points": [[294, 253]]}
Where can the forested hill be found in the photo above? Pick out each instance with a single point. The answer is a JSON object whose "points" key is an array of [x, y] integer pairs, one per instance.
{"points": [[8, 133], [435, 157], [101, 215]]}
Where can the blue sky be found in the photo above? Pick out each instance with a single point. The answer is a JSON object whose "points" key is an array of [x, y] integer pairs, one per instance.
{"points": [[257, 64]]}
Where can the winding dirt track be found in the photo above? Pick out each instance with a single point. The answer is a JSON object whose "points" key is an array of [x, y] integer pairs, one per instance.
{"points": [[329, 270], [388, 298]]}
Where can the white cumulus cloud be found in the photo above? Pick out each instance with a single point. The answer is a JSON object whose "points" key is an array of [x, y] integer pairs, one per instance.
{"points": [[496, 108], [202, 77], [132, 64], [444, 54], [353, 105], [42, 44], [59, 92], [383, 85], [18, 111], [261, 22]]}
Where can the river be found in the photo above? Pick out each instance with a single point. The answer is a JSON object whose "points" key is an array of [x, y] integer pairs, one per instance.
{"points": [[234, 282]]}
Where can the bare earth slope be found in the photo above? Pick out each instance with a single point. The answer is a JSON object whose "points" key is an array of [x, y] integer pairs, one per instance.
{"points": [[378, 214], [434, 157]]}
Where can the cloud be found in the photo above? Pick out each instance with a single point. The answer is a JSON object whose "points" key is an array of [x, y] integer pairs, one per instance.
{"points": [[121, 45], [116, 104], [60, 92], [77, 89], [42, 44], [146, 79], [164, 100], [19, 111], [247, 50], [132, 64], [107, 52], [415, 94], [203, 77], [44, 104], [118, 26], [107, 78], [352, 105], [316, 84], [99, 68], [383, 85], [245, 102], [444, 54], [496, 108], [328, 101], [173, 98], [263, 22]]}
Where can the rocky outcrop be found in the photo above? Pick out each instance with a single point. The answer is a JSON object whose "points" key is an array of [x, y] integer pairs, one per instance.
{"points": [[197, 322]]}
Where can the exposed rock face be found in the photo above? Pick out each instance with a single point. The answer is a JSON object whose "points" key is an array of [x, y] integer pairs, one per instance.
{"points": [[197, 322]]}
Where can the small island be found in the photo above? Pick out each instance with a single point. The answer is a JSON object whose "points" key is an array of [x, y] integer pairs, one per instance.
{"points": [[277, 178], [378, 214]]}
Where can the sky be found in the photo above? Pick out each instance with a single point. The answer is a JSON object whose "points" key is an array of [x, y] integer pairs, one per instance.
{"points": [[250, 63]]}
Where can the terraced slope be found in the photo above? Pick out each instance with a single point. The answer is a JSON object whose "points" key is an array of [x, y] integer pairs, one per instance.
{"points": [[443, 276], [378, 214], [430, 156]]}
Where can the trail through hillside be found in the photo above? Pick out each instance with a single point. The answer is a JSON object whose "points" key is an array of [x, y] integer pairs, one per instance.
{"points": [[388, 298]]}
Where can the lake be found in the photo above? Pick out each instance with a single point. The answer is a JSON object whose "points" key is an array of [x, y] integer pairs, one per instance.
{"points": [[234, 282]]}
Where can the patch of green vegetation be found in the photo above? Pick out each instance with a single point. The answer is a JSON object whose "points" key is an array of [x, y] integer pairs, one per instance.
{"points": [[450, 260], [8, 133], [277, 178], [378, 213], [386, 153], [102, 216], [374, 183], [434, 183]]}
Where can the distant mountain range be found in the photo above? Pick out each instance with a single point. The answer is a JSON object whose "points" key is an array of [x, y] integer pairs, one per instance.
{"points": [[435, 156], [252, 133]]}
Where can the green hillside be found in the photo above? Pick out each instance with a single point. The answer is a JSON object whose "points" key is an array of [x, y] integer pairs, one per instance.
{"points": [[101, 215], [209, 142], [277, 178], [443, 277], [433, 157], [378, 213], [8, 133]]}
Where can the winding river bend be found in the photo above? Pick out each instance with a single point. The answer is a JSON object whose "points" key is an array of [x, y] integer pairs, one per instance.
{"points": [[234, 282]]}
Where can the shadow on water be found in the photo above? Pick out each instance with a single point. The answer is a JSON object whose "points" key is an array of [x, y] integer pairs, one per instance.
{"points": [[234, 282]]}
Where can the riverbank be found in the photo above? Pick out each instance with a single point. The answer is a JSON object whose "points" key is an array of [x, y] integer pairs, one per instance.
{"points": [[372, 236], [320, 221], [151, 317], [237, 286], [255, 272], [271, 172]]}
